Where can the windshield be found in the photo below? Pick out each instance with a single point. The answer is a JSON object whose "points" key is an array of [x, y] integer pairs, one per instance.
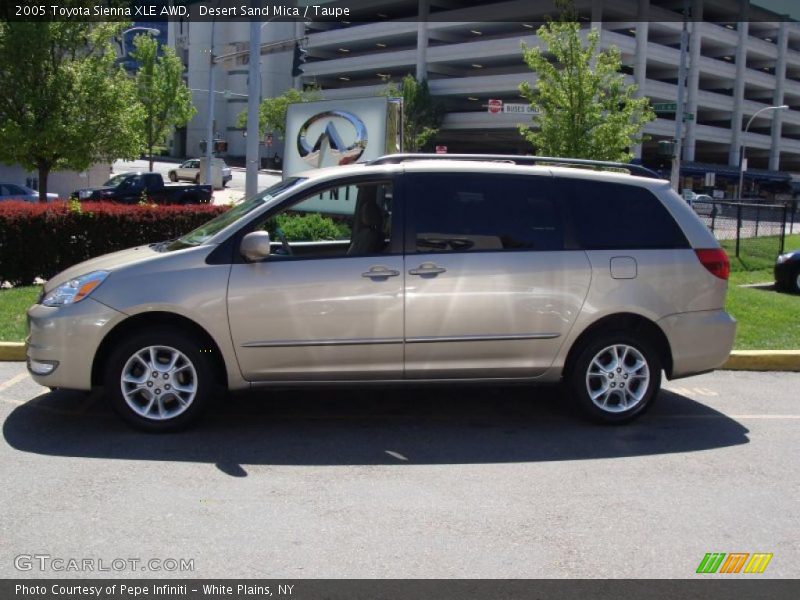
{"points": [[217, 224], [115, 181]]}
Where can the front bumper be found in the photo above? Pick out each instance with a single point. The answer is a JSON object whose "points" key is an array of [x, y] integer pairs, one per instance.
{"points": [[69, 336], [784, 273], [700, 341]]}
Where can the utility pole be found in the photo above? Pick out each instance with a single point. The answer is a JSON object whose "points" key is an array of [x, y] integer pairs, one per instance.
{"points": [[253, 101], [210, 124], [675, 175]]}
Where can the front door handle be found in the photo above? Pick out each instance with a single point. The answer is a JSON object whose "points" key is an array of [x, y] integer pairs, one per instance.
{"points": [[427, 268], [380, 272]]}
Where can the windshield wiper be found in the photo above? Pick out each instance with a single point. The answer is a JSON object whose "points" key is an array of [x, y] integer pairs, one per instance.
{"points": [[159, 246]]}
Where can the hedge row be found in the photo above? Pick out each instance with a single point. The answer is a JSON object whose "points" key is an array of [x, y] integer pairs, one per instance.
{"points": [[39, 240]]}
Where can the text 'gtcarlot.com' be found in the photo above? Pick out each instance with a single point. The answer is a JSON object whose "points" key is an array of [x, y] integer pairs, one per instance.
{"points": [[46, 562]]}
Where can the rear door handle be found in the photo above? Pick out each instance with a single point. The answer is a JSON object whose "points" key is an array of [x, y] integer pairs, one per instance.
{"points": [[427, 269], [380, 272]]}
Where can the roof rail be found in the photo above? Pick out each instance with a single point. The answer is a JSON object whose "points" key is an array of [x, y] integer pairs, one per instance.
{"points": [[393, 159]]}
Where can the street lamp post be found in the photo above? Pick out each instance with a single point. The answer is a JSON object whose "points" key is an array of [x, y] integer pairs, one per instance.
{"points": [[123, 49], [253, 100], [675, 173], [742, 159], [252, 154]]}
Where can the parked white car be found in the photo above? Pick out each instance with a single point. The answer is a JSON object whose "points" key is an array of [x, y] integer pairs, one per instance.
{"points": [[190, 171]]}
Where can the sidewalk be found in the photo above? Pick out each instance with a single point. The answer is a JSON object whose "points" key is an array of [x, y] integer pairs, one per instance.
{"points": [[227, 196], [260, 171]]}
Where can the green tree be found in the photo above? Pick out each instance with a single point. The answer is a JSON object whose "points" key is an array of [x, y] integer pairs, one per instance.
{"points": [[584, 107], [272, 111], [164, 98], [422, 113], [65, 104]]}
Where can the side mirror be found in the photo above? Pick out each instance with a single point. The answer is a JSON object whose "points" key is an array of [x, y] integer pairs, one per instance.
{"points": [[255, 246]]}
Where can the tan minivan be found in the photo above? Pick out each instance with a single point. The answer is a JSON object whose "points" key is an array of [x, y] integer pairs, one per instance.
{"points": [[410, 268]]}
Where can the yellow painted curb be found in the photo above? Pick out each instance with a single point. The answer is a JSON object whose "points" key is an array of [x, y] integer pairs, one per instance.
{"points": [[763, 360], [12, 351]]}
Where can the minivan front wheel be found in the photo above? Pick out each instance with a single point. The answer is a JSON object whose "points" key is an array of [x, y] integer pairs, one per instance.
{"points": [[159, 381], [616, 377]]}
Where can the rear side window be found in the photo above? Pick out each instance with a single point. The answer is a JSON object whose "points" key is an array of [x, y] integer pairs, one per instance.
{"points": [[478, 212], [615, 216]]}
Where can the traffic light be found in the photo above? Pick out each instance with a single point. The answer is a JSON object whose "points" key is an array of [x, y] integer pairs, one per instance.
{"points": [[298, 60]]}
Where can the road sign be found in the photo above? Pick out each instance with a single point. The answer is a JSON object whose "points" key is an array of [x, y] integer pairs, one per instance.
{"points": [[688, 116], [666, 107], [495, 106], [441, 149], [524, 109]]}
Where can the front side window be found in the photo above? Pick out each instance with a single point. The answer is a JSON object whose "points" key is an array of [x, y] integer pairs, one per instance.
{"points": [[347, 220], [16, 190], [116, 180], [483, 212], [209, 229]]}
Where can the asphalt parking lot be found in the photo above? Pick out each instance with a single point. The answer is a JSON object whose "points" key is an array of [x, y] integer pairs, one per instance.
{"points": [[494, 482]]}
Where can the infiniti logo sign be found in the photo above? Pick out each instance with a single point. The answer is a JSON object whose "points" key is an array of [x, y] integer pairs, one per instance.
{"points": [[330, 147]]}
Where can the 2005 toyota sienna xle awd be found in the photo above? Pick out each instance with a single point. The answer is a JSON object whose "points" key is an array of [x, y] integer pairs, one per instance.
{"points": [[404, 269]]}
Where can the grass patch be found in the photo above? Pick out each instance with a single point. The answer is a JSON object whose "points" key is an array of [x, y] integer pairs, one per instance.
{"points": [[13, 304], [756, 254], [766, 320]]}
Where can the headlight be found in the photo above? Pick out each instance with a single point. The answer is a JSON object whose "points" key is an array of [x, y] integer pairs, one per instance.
{"points": [[783, 258], [75, 290], [83, 194]]}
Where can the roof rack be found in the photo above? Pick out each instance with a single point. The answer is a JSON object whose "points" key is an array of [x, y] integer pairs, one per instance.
{"points": [[393, 159]]}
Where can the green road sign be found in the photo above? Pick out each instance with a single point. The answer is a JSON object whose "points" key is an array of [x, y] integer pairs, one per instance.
{"points": [[666, 107], [688, 116]]}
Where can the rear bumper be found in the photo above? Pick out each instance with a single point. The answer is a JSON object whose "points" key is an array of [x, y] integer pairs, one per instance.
{"points": [[700, 341]]}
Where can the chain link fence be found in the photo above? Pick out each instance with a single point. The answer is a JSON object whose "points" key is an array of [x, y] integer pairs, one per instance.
{"points": [[750, 232]]}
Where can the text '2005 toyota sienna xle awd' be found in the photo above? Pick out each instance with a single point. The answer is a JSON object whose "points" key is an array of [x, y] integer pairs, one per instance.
{"points": [[405, 269]]}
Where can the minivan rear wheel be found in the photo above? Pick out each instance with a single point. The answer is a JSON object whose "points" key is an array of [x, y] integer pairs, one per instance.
{"points": [[616, 377], [159, 380]]}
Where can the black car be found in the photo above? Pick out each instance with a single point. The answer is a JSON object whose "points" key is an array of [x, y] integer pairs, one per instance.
{"points": [[130, 188], [787, 272]]}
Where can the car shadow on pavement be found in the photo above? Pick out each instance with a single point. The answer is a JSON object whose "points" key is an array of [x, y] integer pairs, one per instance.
{"points": [[371, 426]]}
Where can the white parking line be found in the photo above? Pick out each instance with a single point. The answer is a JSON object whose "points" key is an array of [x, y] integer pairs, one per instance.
{"points": [[724, 416], [13, 381]]}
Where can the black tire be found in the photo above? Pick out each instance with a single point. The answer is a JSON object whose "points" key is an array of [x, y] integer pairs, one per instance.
{"points": [[173, 177], [199, 376], [640, 394], [793, 285]]}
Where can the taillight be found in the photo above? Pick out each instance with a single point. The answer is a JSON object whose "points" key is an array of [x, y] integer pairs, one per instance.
{"points": [[715, 260]]}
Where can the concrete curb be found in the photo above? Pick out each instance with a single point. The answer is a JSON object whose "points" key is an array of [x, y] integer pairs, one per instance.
{"points": [[763, 360], [740, 360], [12, 351]]}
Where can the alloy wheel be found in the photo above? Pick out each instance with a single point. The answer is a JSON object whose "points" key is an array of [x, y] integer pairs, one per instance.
{"points": [[159, 382], [617, 378]]}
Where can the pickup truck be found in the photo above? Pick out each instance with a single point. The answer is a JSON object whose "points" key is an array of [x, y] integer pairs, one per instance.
{"points": [[130, 188]]}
